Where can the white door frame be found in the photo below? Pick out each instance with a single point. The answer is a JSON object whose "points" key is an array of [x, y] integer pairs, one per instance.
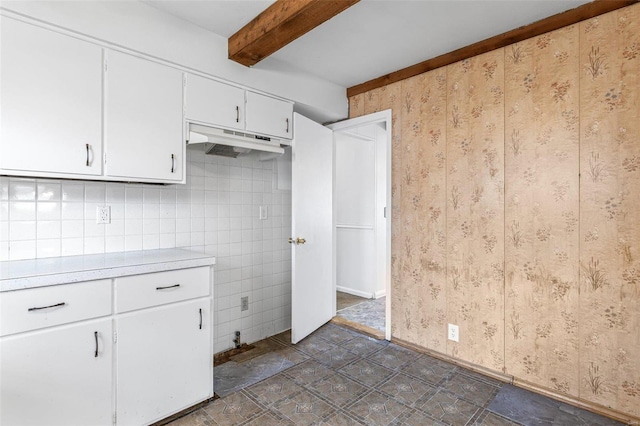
{"points": [[376, 118]]}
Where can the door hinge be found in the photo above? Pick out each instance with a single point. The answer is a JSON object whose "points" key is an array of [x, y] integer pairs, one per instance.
{"points": [[106, 65], [115, 418], [104, 158], [384, 212], [115, 337]]}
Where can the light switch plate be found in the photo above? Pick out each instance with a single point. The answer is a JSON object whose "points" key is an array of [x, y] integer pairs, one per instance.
{"points": [[264, 212]]}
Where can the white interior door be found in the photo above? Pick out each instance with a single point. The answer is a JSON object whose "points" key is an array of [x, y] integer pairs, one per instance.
{"points": [[313, 271]]}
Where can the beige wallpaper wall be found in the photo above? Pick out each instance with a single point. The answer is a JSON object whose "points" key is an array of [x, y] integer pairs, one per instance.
{"points": [[516, 190]]}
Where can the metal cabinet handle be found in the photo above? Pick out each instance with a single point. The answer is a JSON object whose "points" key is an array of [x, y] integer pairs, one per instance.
{"points": [[237, 114], [95, 335], [46, 307], [173, 163], [88, 163], [166, 287], [287, 120], [200, 327]]}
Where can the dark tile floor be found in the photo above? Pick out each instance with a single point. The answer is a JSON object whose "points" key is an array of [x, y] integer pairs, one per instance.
{"points": [[340, 377]]}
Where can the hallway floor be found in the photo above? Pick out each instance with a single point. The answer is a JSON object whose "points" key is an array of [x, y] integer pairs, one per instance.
{"points": [[340, 377], [366, 312]]}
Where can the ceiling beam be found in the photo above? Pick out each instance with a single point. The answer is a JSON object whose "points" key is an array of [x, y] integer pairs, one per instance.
{"points": [[560, 20], [280, 24]]}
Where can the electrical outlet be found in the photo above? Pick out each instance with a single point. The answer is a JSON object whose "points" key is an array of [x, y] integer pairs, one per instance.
{"points": [[244, 303], [103, 214], [454, 333]]}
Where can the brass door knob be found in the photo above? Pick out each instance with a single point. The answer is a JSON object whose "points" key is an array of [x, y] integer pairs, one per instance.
{"points": [[300, 241]]}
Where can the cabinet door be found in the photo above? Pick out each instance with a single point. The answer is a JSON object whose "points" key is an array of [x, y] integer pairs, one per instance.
{"points": [[215, 103], [144, 138], [269, 116], [50, 104], [53, 377], [164, 361]]}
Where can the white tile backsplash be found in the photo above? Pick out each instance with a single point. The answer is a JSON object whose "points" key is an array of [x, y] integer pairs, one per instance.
{"points": [[217, 211]]}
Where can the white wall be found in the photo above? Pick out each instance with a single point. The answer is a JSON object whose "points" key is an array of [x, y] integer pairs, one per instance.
{"points": [[217, 211], [147, 30], [356, 196]]}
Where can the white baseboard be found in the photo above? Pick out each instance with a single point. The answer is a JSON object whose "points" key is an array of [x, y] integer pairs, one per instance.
{"points": [[380, 293], [354, 292]]}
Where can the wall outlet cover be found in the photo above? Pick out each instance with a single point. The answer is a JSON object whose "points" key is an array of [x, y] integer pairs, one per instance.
{"points": [[103, 214], [454, 333], [244, 303]]}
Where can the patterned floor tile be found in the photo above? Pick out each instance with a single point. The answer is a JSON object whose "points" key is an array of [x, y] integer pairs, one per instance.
{"points": [[304, 408], [449, 409], [407, 389], [339, 418], [472, 390], [338, 389], [197, 418], [231, 376], [338, 385], [308, 372], [416, 418], [270, 418], [335, 335], [314, 346], [481, 377], [273, 389], [487, 418], [293, 355], [366, 372], [337, 357], [532, 409], [376, 408], [429, 369], [232, 410], [363, 345], [394, 356]]}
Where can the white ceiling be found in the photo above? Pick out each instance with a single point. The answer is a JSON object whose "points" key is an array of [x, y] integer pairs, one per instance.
{"points": [[373, 37]]}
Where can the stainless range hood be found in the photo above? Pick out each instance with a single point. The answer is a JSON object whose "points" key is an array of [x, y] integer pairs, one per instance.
{"points": [[230, 143]]}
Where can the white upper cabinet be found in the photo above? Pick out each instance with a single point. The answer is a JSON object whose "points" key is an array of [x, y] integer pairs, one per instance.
{"points": [[269, 116], [144, 139], [215, 103], [50, 102], [222, 105]]}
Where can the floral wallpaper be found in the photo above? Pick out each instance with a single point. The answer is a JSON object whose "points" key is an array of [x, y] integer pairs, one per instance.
{"points": [[542, 210], [516, 188], [609, 335], [475, 213]]}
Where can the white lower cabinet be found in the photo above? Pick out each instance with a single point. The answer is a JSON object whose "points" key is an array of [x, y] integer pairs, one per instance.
{"points": [[164, 363], [67, 350], [58, 376]]}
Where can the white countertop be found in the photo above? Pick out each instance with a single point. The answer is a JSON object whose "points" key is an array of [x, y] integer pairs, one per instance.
{"points": [[22, 274]]}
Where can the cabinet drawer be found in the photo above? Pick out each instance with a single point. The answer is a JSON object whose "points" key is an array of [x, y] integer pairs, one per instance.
{"points": [[143, 291], [25, 310]]}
